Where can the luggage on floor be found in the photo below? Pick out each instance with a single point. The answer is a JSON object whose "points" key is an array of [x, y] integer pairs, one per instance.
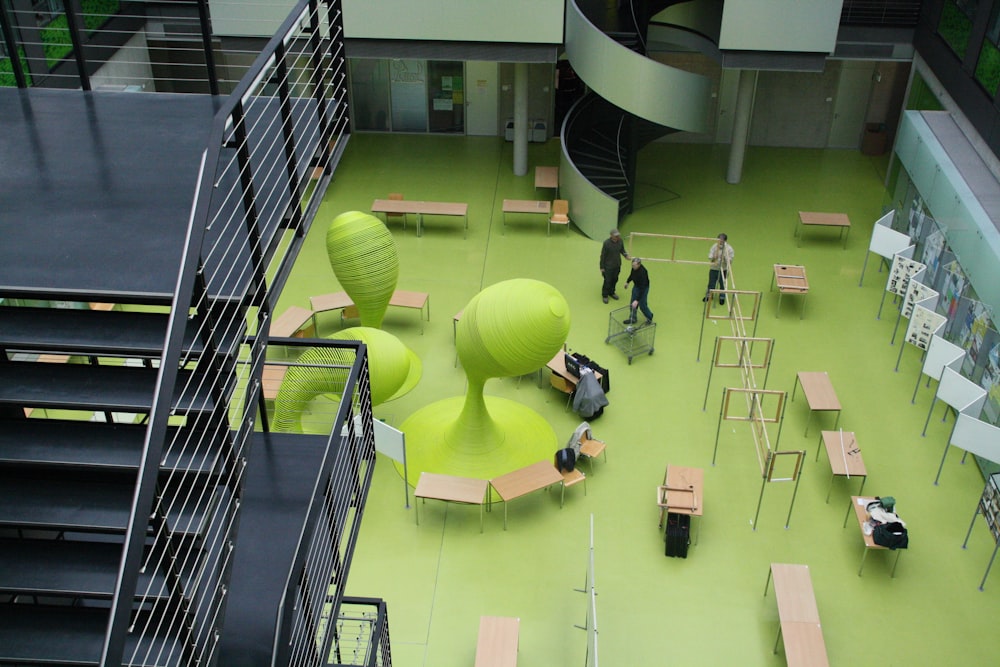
{"points": [[678, 535]]}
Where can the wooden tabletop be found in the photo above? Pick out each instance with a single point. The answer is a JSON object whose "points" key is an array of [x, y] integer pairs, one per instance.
{"points": [[682, 491], [414, 206], [546, 177], [289, 322], [791, 278], [844, 453], [860, 505], [794, 591], [824, 219], [406, 299], [451, 488], [558, 366], [332, 301], [804, 645], [497, 643], [526, 206], [818, 390], [525, 480]]}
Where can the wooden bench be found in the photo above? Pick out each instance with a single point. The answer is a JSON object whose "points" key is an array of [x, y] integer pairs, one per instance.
{"points": [[271, 379], [342, 302], [523, 481], [291, 322], [798, 616], [497, 644]]}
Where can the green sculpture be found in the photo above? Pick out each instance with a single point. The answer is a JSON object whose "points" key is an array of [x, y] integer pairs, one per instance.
{"points": [[509, 329], [363, 256]]}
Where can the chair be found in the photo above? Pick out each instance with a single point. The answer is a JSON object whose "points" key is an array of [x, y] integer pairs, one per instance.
{"points": [[560, 383], [396, 196], [560, 215], [591, 449], [571, 477]]}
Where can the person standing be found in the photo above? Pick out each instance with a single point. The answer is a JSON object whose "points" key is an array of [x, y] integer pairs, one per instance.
{"points": [[612, 252], [720, 258], [639, 277]]}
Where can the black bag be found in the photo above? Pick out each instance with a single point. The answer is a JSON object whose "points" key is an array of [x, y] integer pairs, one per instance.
{"points": [[605, 376], [891, 535], [565, 459], [678, 535]]}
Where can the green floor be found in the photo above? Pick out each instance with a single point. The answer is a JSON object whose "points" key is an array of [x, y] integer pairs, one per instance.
{"points": [[440, 576]]}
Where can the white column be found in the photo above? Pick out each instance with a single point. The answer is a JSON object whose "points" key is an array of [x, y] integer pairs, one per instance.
{"points": [[520, 119], [745, 91]]}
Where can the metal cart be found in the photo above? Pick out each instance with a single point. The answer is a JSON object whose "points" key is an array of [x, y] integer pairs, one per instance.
{"points": [[631, 338]]}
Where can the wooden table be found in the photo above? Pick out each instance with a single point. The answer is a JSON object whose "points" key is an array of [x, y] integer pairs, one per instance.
{"points": [[523, 481], [819, 394], [342, 302], [812, 219], [547, 177], [451, 489], [790, 279], [845, 457], [681, 493], [289, 324], [860, 506], [525, 206], [798, 615], [422, 208], [497, 643], [558, 366]]}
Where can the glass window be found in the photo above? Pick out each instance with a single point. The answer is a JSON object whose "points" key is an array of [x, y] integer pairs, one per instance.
{"points": [[988, 65], [956, 24], [370, 94], [446, 96], [408, 90]]}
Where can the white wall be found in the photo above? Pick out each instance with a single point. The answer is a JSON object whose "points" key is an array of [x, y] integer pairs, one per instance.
{"points": [[128, 67], [780, 25], [532, 21]]}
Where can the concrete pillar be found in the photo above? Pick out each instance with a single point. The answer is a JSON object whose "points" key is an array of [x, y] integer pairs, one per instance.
{"points": [[520, 119], [745, 91]]}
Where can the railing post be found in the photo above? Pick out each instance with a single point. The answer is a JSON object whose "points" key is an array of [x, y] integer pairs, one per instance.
{"points": [[74, 24], [12, 48], [205, 20]]}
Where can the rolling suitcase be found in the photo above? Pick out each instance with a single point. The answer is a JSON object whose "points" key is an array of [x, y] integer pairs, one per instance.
{"points": [[678, 535]]}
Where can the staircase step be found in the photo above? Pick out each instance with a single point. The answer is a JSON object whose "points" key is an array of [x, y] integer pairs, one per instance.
{"points": [[66, 443], [57, 635], [94, 387], [90, 332], [67, 568], [30, 502]]}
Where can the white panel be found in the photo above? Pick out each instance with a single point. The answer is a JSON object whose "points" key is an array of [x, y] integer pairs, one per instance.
{"points": [[942, 354], [960, 393], [390, 441], [886, 241], [481, 118], [781, 25], [977, 437]]}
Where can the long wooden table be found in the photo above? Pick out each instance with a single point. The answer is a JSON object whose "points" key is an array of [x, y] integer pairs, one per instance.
{"points": [[547, 177], [845, 457], [860, 506], [790, 279], [813, 219], [525, 206], [798, 616], [523, 481], [819, 394], [422, 208], [497, 643], [451, 489], [341, 301]]}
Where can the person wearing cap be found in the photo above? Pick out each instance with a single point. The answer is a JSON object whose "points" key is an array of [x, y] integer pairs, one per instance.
{"points": [[640, 291], [612, 252], [720, 258]]}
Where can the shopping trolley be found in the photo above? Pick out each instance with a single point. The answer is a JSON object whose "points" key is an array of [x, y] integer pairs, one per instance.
{"points": [[631, 337]]}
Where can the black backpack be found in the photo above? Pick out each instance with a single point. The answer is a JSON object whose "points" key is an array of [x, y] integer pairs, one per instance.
{"points": [[891, 535], [565, 459]]}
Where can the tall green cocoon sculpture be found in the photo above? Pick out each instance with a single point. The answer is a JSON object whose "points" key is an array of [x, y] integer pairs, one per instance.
{"points": [[363, 256], [509, 329]]}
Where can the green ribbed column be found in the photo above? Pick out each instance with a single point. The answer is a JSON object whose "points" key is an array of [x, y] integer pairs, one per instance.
{"points": [[363, 256]]}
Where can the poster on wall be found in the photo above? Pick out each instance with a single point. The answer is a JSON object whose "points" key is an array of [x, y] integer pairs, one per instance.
{"points": [[933, 246], [991, 383], [973, 331], [899, 275], [923, 325], [917, 292], [954, 285]]}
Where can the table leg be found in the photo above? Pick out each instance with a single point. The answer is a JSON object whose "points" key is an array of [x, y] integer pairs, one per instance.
{"points": [[777, 314], [850, 506], [892, 574], [808, 419], [830, 490], [836, 421], [802, 314], [795, 386], [420, 224], [847, 232], [864, 479], [819, 445], [768, 582], [863, 556], [778, 638], [416, 510]]}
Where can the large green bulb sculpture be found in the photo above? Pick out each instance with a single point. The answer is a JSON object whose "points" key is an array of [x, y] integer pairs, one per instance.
{"points": [[319, 375], [512, 328], [363, 257]]}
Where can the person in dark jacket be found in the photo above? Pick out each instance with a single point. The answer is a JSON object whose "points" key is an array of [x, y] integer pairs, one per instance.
{"points": [[640, 291], [611, 264]]}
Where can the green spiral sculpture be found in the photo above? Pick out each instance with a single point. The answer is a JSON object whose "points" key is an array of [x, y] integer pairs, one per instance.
{"points": [[363, 256], [509, 329], [322, 371]]}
